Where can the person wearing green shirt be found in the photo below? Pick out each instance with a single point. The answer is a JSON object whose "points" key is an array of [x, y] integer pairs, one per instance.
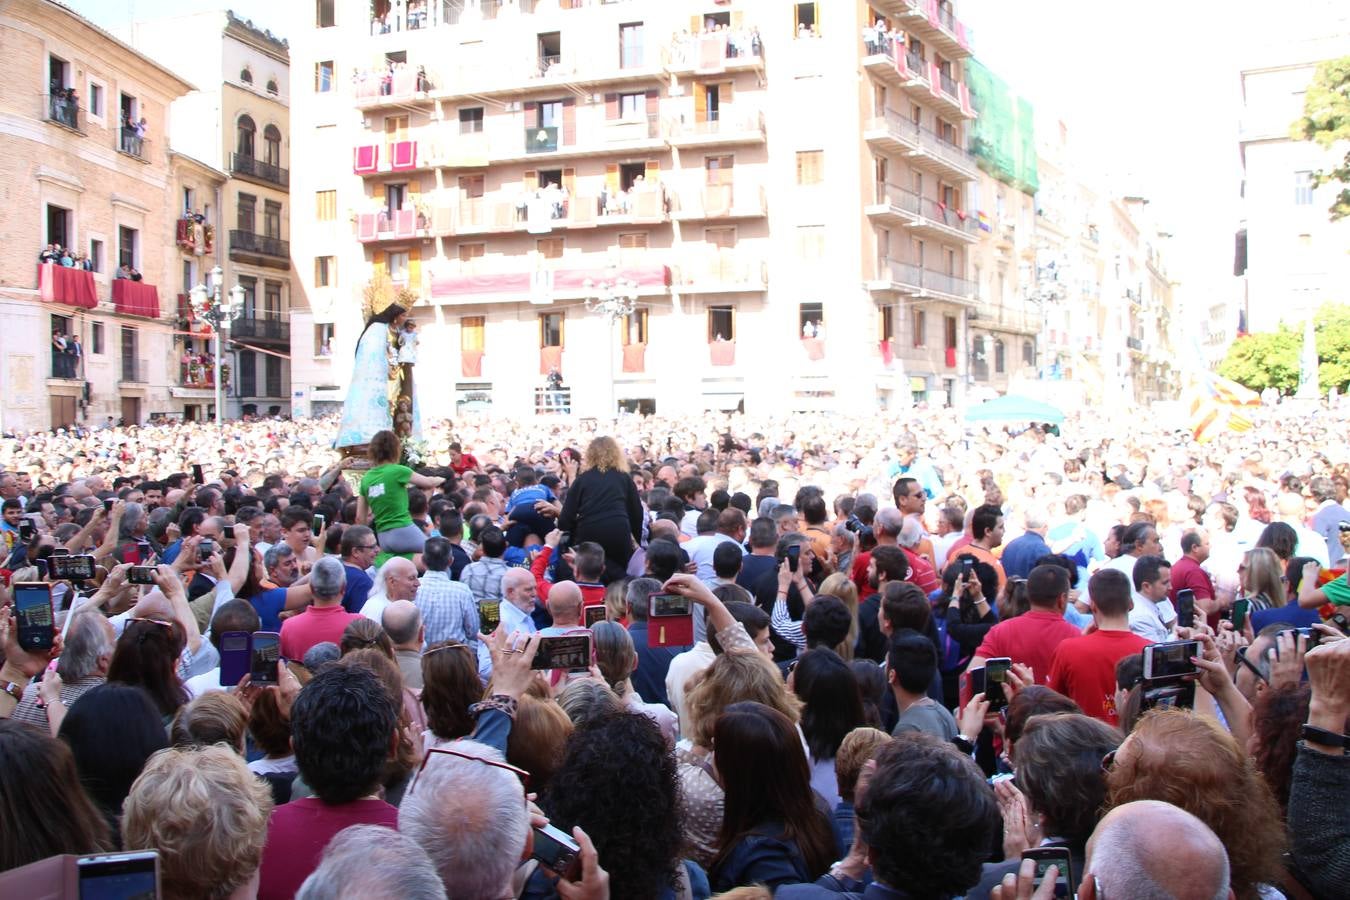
{"points": [[384, 496]]}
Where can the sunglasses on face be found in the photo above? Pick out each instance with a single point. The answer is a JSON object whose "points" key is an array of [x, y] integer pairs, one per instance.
{"points": [[1244, 661]]}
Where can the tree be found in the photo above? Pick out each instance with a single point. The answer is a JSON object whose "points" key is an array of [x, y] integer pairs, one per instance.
{"points": [[1326, 120], [1272, 359]]}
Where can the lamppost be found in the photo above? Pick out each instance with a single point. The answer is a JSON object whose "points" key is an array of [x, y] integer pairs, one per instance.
{"points": [[209, 306], [614, 298]]}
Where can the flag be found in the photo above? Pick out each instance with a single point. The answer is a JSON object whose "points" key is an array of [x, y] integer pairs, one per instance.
{"points": [[1216, 404], [984, 221]]}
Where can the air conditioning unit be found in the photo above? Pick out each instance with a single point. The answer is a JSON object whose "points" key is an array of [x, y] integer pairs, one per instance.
{"points": [[513, 106], [597, 98]]}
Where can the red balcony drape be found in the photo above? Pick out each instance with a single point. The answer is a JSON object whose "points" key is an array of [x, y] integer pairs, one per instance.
{"points": [[635, 358], [951, 357], [135, 298], [550, 358], [471, 363], [63, 284], [722, 353], [887, 353], [403, 155], [815, 348], [366, 159]]}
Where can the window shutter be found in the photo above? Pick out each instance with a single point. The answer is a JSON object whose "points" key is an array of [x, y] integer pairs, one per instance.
{"points": [[653, 101], [531, 180], [415, 268], [612, 177], [700, 102], [569, 129], [725, 93], [611, 106], [381, 265], [653, 171], [570, 183]]}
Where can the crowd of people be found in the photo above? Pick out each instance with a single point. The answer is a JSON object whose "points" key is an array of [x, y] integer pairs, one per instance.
{"points": [[64, 256], [833, 657]]}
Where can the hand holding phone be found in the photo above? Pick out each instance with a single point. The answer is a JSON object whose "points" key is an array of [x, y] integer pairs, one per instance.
{"points": [[794, 556], [1186, 608], [489, 616], [34, 615], [995, 677], [564, 651], [265, 654], [670, 620], [1060, 858]]}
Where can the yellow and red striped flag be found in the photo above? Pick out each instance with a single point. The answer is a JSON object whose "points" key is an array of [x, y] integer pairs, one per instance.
{"points": [[1215, 404]]}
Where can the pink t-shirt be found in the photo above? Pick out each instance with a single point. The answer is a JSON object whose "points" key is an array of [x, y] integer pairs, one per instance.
{"points": [[313, 626], [298, 832]]}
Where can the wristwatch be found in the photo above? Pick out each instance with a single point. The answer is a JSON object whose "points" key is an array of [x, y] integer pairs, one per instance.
{"points": [[964, 744], [14, 689], [1325, 738]]}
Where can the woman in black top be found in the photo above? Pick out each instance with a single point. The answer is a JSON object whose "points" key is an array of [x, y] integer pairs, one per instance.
{"points": [[602, 505]]}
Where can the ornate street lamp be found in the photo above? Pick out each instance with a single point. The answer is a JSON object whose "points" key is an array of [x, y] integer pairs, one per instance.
{"points": [[614, 298], [209, 306]]}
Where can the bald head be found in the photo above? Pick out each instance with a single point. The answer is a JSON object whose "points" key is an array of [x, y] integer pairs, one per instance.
{"points": [[664, 528], [564, 603], [1149, 849], [1290, 507], [889, 521], [400, 578], [403, 623]]}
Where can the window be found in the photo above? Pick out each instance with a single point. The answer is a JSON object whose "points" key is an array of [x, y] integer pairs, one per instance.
{"points": [[469, 252], [129, 353], [248, 373], [635, 327], [549, 248], [96, 255], [550, 51], [717, 169], [630, 173], [708, 101], [632, 106], [246, 75], [244, 213], [810, 319], [272, 145], [720, 238], [96, 339], [245, 131], [1028, 353], [949, 332], [127, 239], [272, 219], [398, 266], [325, 16], [129, 109], [921, 328], [810, 166], [323, 76], [811, 242], [808, 20], [999, 353], [471, 333], [323, 339], [250, 286], [886, 322], [272, 300], [633, 240], [550, 114], [394, 195], [95, 99], [1303, 188], [58, 225], [551, 329], [721, 323], [325, 205], [272, 373], [630, 45], [471, 187], [471, 120], [325, 271], [272, 87]]}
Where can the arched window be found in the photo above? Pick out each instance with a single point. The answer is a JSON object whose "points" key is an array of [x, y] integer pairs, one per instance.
{"points": [[246, 131], [998, 356], [1028, 353], [272, 145], [246, 76], [272, 87]]}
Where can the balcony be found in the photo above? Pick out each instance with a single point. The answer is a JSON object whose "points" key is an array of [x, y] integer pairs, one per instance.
{"points": [[542, 139], [892, 134], [501, 213], [724, 130], [268, 251], [401, 225], [133, 145], [895, 206], [1006, 319], [257, 170], [384, 158], [64, 110], [949, 96], [938, 155], [401, 85], [944, 223], [262, 331], [719, 272], [195, 237], [895, 64], [513, 279], [197, 372], [721, 201], [907, 279], [714, 52], [641, 134], [931, 23]]}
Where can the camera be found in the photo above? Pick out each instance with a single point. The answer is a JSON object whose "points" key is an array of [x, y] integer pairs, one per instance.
{"points": [[855, 525]]}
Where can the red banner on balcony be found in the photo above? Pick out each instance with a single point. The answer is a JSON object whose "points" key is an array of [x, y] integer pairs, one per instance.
{"points": [[550, 358], [523, 283], [934, 79], [403, 155], [635, 358], [366, 160], [135, 298], [471, 363], [951, 357], [901, 57], [931, 8], [964, 97], [63, 284], [961, 37], [722, 353], [405, 223], [814, 347], [887, 353]]}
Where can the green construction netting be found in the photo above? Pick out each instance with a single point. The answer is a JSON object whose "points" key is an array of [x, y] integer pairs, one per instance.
{"points": [[1003, 138]]}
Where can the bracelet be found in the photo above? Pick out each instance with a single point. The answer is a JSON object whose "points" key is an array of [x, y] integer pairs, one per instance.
{"points": [[1324, 737]]}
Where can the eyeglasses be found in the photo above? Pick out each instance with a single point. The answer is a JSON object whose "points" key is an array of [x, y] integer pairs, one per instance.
{"points": [[1243, 660], [155, 621], [1108, 761], [368, 547], [519, 773], [448, 645]]}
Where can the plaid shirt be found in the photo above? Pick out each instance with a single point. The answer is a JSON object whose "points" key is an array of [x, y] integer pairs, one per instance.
{"points": [[449, 612], [484, 578]]}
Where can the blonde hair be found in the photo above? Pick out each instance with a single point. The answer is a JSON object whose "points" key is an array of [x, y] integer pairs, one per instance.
{"points": [[841, 586], [1265, 575], [214, 718], [733, 678], [604, 454], [205, 813], [858, 746]]}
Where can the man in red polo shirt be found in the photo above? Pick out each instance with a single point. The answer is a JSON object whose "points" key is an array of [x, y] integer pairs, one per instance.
{"points": [[1084, 668], [1186, 572], [325, 620], [1031, 638]]}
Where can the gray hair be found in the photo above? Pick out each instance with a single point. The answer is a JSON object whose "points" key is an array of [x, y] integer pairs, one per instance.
{"points": [[911, 533], [87, 640], [328, 578], [320, 653], [276, 553], [376, 863], [132, 516], [159, 520], [471, 819], [866, 503], [889, 520], [1035, 518], [400, 620], [636, 594]]}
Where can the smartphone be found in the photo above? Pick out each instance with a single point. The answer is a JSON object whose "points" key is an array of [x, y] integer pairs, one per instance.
{"points": [[592, 614], [794, 555], [119, 876], [995, 676], [317, 525], [967, 567], [197, 475], [1167, 694], [556, 851], [265, 653], [27, 530], [489, 615], [1170, 661], [236, 657], [205, 549], [141, 575], [144, 550], [1186, 608], [108, 504], [1240, 608], [1312, 636], [976, 679], [1058, 857], [59, 551], [670, 621], [35, 616], [564, 651], [71, 568]]}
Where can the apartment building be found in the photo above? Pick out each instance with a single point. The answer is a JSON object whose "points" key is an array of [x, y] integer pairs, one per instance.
{"points": [[238, 122], [86, 164], [508, 161]]}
